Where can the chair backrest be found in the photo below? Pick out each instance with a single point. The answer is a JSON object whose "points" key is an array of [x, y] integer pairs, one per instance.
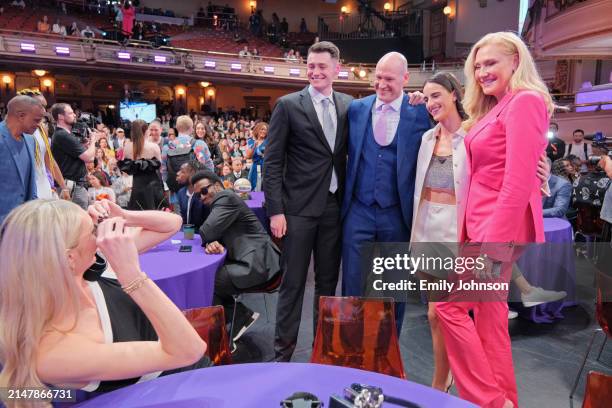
{"points": [[603, 309], [209, 322], [359, 333], [598, 392]]}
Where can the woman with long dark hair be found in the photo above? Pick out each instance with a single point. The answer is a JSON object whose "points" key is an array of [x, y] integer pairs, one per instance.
{"points": [[143, 161]]}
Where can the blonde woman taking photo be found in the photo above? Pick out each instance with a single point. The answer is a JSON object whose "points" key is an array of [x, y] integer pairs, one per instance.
{"points": [[508, 107], [70, 320]]}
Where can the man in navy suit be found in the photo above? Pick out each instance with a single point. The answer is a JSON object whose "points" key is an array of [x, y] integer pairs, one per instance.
{"points": [[191, 207], [17, 148], [385, 134]]}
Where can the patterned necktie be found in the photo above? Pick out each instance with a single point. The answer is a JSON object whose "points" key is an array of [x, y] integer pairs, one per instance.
{"points": [[330, 134], [380, 129]]}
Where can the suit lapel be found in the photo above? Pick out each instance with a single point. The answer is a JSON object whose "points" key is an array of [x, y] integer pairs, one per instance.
{"points": [[310, 111], [358, 127], [488, 118], [341, 108], [5, 135], [404, 131]]}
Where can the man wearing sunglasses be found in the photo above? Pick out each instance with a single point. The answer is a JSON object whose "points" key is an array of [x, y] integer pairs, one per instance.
{"points": [[252, 258]]}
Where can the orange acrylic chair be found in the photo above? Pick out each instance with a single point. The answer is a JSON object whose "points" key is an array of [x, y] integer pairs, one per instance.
{"points": [[603, 313], [598, 392], [209, 322], [358, 333]]}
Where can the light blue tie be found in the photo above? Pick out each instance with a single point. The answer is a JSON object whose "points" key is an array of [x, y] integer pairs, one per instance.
{"points": [[329, 130]]}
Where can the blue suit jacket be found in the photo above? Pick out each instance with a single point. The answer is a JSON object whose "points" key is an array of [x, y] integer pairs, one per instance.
{"points": [[414, 121], [199, 212], [12, 191], [560, 196]]}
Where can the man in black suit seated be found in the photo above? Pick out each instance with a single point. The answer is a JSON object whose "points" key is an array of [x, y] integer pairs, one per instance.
{"points": [[252, 258], [192, 209], [237, 171]]}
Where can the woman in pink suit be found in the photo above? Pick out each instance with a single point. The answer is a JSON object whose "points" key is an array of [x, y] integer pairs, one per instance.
{"points": [[129, 14], [509, 107]]}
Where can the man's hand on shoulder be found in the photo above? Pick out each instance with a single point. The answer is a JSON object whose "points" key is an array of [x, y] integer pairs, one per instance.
{"points": [[415, 98]]}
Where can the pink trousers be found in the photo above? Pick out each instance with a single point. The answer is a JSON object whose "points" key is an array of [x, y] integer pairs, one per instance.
{"points": [[479, 351]]}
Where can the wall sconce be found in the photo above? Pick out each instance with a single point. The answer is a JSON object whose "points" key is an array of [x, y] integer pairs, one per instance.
{"points": [[6, 80], [253, 5], [387, 7], [449, 12], [362, 73], [47, 83], [211, 93], [180, 91], [204, 84], [40, 72], [345, 10], [201, 100]]}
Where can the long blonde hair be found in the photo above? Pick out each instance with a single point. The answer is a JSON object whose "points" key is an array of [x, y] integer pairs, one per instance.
{"points": [[36, 284], [525, 77]]}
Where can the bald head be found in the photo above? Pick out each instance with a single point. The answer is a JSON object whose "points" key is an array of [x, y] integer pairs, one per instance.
{"points": [[25, 114], [22, 103], [391, 75]]}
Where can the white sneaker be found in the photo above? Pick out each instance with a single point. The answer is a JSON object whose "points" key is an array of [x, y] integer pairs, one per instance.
{"points": [[512, 314], [537, 296]]}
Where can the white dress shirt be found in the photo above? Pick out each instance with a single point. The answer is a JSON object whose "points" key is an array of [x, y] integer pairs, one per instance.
{"points": [[316, 98], [393, 116]]}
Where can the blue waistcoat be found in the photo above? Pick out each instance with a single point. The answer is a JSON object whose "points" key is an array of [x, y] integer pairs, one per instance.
{"points": [[377, 172]]}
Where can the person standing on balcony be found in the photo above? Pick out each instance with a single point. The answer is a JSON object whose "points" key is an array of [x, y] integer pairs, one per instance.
{"points": [[129, 14]]}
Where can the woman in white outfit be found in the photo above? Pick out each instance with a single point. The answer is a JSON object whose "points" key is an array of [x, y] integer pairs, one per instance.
{"points": [[440, 174]]}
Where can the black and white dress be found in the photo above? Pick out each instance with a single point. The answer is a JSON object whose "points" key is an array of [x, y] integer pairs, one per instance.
{"points": [[122, 320]]}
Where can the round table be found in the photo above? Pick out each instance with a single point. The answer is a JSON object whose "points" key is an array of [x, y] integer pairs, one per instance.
{"points": [[256, 203], [187, 278], [264, 385], [550, 266]]}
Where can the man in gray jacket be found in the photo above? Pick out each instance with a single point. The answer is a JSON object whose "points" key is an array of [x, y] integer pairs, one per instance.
{"points": [[252, 259]]}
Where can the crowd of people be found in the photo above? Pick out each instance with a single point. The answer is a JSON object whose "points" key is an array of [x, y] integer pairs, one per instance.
{"points": [[330, 166]]}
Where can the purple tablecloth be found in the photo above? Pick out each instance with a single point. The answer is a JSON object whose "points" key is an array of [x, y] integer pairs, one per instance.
{"points": [[551, 266], [263, 385], [188, 278], [256, 203]]}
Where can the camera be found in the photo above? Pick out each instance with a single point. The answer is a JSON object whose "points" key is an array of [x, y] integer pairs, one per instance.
{"points": [[599, 141], [83, 124]]}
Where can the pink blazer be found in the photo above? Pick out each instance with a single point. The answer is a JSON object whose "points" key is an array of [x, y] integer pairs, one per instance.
{"points": [[504, 204]]}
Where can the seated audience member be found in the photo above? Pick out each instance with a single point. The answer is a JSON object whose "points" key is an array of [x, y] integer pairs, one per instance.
{"points": [[606, 209], [52, 299], [252, 258], [88, 33], [122, 186], [73, 30], [237, 170], [19, 3], [244, 53], [192, 209], [557, 203], [58, 28], [43, 25], [97, 191]]}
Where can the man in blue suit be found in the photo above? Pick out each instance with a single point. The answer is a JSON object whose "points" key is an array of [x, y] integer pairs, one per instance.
{"points": [[385, 134], [557, 204], [17, 148]]}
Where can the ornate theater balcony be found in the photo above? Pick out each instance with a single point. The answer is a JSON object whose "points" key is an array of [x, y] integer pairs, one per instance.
{"points": [[572, 28]]}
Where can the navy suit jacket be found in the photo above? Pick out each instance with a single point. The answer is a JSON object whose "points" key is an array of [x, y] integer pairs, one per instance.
{"points": [[12, 191], [414, 121], [560, 196], [199, 212]]}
